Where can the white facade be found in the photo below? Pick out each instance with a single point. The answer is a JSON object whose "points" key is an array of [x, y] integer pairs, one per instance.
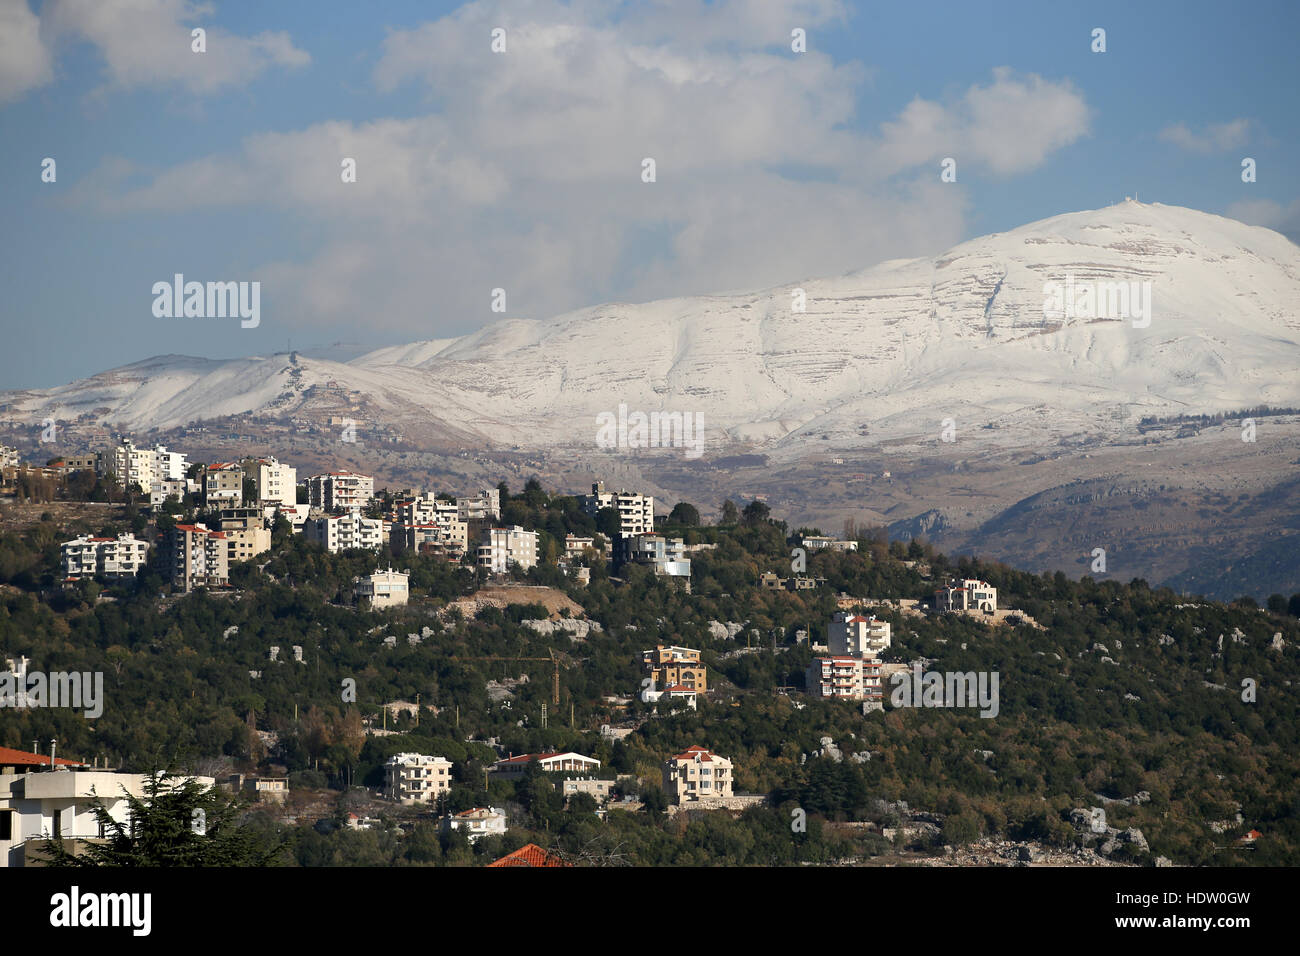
{"points": [[120, 557], [341, 532], [135, 466], [340, 491], [49, 804], [383, 588], [966, 594], [478, 823], [485, 505], [503, 547], [848, 678], [857, 635], [416, 778], [169, 465], [277, 483], [636, 512], [514, 767]]}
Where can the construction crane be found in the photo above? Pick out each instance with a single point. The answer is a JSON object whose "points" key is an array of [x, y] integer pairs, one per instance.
{"points": [[553, 659]]}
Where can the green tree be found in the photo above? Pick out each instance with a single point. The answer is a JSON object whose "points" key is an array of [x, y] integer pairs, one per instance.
{"points": [[684, 513], [178, 823]]}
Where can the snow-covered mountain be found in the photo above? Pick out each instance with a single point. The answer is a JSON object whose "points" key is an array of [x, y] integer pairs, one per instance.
{"points": [[885, 353]]}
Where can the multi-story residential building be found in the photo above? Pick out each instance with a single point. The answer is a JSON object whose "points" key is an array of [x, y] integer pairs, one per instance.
{"points": [[856, 635], [849, 678], [383, 588], [675, 666], [340, 491], [512, 768], [169, 465], [696, 773], [477, 823], [966, 594], [135, 466], [223, 484], [37, 805], [194, 556], [666, 555], [636, 512], [503, 547], [416, 778], [246, 533], [164, 488], [486, 505], [8, 457], [818, 542], [341, 532], [114, 558], [449, 539], [277, 483]]}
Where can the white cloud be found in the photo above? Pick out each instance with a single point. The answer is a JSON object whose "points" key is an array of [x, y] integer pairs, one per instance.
{"points": [[1214, 138], [147, 43], [525, 173], [1009, 126], [25, 60], [1266, 212]]}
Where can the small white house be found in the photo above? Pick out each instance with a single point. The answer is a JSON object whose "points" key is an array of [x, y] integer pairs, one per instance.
{"points": [[383, 588], [478, 823]]}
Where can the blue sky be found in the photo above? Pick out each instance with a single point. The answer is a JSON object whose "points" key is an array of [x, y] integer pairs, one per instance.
{"points": [[522, 170]]}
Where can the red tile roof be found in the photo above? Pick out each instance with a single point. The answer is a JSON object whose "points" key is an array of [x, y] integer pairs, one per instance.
{"points": [[23, 758], [530, 855]]}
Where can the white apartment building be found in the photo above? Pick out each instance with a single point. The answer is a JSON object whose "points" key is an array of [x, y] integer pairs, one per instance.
{"points": [[818, 542], [666, 555], [135, 466], [340, 491], [478, 823], [512, 768], [486, 505], [195, 556], [383, 588], [966, 594], [277, 483], [416, 778], [848, 678], [42, 804], [115, 558], [857, 635], [169, 465], [696, 773], [341, 532], [8, 457], [636, 512], [503, 547]]}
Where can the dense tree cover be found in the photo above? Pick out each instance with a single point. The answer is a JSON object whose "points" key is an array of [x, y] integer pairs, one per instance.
{"points": [[1125, 689]]}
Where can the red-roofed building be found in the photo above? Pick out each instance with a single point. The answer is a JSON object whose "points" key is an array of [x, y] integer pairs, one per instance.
{"points": [[22, 761], [849, 678], [696, 773], [530, 854], [223, 484], [512, 768]]}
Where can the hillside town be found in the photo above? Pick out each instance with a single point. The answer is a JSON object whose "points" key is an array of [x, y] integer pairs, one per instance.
{"points": [[206, 529]]}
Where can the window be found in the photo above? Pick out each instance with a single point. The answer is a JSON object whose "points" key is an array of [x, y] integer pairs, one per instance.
{"points": [[6, 825]]}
